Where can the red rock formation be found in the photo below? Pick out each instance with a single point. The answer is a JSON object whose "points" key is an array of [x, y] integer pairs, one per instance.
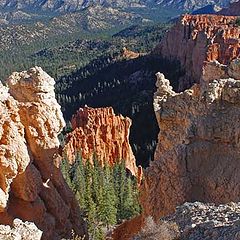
{"points": [[128, 229], [99, 131], [31, 120], [200, 38]]}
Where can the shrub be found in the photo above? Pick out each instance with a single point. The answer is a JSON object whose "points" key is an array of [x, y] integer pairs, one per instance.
{"points": [[238, 22], [160, 231]]}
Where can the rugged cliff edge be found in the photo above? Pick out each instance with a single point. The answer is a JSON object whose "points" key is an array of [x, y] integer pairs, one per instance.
{"points": [[197, 39], [197, 156], [98, 131], [32, 187]]}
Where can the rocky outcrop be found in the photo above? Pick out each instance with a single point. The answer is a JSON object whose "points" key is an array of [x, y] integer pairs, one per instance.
{"points": [[127, 54], [195, 221], [20, 231], [207, 221], [32, 187], [197, 156], [200, 39], [99, 132]]}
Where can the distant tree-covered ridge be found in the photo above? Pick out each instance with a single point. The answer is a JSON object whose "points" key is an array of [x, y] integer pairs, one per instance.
{"points": [[91, 70]]}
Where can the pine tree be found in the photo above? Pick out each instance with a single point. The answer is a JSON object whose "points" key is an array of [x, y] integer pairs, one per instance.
{"points": [[130, 206], [65, 167], [120, 177], [79, 180], [108, 210]]}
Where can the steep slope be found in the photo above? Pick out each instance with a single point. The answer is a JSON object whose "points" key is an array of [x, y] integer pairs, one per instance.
{"points": [[32, 187], [101, 133], [92, 20], [201, 38]]}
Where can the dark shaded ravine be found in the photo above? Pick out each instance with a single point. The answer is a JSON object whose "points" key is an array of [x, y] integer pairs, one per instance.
{"points": [[128, 86]]}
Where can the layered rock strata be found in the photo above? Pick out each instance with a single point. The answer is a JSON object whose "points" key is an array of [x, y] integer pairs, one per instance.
{"points": [[197, 156], [98, 132], [32, 187], [197, 39]]}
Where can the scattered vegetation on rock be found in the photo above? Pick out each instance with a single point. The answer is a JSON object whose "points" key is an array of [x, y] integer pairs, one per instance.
{"points": [[157, 231]]}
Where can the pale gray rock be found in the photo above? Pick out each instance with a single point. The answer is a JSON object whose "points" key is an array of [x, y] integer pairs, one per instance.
{"points": [[199, 221], [20, 231]]}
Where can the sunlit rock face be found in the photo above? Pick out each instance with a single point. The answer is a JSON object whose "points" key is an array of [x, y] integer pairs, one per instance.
{"points": [[32, 187], [198, 39], [98, 132], [197, 155]]}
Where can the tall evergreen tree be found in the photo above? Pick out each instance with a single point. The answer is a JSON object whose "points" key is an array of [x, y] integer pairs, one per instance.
{"points": [[108, 210]]}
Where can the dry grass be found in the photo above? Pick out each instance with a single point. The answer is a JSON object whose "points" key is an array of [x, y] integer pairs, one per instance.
{"points": [[160, 231]]}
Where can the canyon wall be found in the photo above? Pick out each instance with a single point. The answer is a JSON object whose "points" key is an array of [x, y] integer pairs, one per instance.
{"points": [[197, 39], [32, 187], [99, 132], [197, 156]]}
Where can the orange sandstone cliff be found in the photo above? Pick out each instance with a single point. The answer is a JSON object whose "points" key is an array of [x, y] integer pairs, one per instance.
{"points": [[32, 187], [98, 131], [197, 156], [197, 39]]}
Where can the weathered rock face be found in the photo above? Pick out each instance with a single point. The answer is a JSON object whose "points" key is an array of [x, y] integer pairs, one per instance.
{"points": [[20, 231], [200, 39], [98, 131], [32, 187], [197, 156]]}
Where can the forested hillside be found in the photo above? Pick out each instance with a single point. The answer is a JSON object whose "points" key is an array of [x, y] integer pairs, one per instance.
{"points": [[95, 70]]}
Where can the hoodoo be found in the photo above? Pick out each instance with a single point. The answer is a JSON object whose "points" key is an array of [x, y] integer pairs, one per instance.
{"points": [[32, 187], [99, 132], [201, 39]]}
